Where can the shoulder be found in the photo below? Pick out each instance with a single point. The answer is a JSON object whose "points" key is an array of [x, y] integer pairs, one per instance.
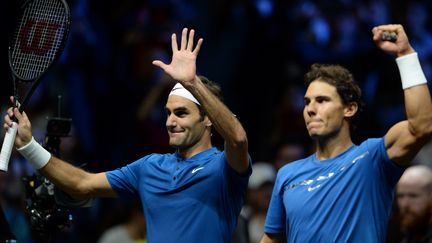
{"points": [[149, 161], [155, 157], [213, 154], [374, 146], [292, 170], [372, 142], [295, 165]]}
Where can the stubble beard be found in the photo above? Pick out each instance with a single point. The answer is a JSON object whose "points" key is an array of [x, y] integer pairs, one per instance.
{"points": [[416, 222]]}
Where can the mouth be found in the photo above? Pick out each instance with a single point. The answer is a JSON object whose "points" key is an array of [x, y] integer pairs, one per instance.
{"points": [[312, 124], [174, 133]]}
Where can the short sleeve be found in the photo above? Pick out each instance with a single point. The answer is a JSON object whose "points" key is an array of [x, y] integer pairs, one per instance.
{"points": [[387, 168], [124, 180], [276, 217]]}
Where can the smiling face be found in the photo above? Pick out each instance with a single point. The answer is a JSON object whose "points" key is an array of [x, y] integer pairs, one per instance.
{"points": [[324, 113], [186, 127]]}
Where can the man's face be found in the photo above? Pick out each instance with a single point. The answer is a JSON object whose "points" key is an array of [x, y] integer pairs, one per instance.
{"points": [[323, 111], [415, 205], [184, 124]]}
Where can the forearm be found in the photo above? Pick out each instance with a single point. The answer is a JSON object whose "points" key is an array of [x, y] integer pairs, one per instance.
{"points": [[71, 179], [151, 99], [67, 177], [419, 110], [418, 104], [224, 121]]}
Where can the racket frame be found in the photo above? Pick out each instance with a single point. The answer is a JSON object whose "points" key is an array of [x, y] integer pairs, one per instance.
{"points": [[9, 139]]}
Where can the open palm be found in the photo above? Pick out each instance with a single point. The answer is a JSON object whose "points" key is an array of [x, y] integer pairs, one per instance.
{"points": [[183, 63]]}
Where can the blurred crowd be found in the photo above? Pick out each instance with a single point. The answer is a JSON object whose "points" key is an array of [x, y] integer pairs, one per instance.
{"points": [[257, 50]]}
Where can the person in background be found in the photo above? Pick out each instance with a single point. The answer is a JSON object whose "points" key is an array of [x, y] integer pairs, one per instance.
{"points": [[260, 188], [133, 230], [288, 152], [414, 200]]}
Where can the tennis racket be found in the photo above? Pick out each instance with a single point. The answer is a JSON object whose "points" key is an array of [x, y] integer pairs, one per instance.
{"points": [[39, 38]]}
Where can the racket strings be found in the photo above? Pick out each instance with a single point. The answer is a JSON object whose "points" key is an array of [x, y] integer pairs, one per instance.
{"points": [[38, 38]]}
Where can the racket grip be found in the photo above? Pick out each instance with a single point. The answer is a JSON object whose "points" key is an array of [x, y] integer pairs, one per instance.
{"points": [[7, 147]]}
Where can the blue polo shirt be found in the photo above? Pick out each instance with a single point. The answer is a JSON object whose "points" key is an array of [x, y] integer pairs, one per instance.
{"points": [[185, 200], [347, 198]]}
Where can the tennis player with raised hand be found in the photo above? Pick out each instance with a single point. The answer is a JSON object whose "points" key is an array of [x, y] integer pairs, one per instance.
{"points": [[39, 37], [194, 194], [344, 191]]}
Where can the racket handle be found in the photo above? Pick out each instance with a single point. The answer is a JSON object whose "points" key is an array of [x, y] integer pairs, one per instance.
{"points": [[8, 144]]}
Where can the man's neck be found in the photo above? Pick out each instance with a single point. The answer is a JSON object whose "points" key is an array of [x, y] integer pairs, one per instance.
{"points": [[332, 146], [186, 153]]}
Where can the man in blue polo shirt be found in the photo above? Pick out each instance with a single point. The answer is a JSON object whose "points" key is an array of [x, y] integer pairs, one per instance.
{"points": [[344, 192], [192, 195]]}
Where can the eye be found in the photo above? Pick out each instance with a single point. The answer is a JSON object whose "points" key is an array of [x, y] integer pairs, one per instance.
{"points": [[321, 99], [181, 113]]}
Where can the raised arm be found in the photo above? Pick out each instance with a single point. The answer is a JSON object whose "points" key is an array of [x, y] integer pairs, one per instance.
{"points": [[183, 69], [73, 180], [406, 138]]}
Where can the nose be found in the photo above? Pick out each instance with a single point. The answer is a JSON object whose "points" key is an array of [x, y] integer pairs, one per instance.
{"points": [[403, 203], [310, 109], [170, 121]]}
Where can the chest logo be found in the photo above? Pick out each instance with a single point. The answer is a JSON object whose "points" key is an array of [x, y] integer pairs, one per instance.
{"points": [[197, 169], [316, 183]]}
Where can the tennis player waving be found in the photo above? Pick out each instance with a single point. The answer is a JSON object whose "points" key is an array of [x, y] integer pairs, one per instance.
{"points": [[191, 195]]}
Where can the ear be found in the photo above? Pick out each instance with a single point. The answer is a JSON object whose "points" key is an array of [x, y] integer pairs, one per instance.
{"points": [[351, 109], [207, 122]]}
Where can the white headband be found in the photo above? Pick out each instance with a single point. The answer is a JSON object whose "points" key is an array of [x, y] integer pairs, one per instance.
{"points": [[179, 90]]}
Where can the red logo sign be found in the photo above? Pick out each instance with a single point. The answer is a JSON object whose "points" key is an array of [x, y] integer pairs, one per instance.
{"points": [[37, 37]]}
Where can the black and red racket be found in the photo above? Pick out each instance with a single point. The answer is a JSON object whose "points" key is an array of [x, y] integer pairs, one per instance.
{"points": [[39, 38]]}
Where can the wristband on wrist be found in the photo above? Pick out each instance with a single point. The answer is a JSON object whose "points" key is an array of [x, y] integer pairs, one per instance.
{"points": [[37, 155], [410, 70]]}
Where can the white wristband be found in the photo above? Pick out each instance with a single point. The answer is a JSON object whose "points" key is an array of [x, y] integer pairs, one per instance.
{"points": [[410, 70], [35, 154]]}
